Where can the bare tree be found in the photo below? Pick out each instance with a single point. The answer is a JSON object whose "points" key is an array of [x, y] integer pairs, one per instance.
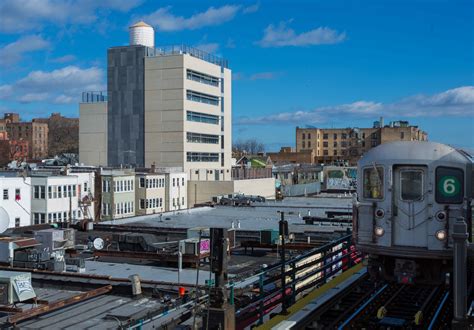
{"points": [[249, 146]]}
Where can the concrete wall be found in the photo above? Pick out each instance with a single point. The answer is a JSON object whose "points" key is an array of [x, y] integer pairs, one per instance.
{"points": [[301, 189], [126, 106], [203, 191], [93, 133]]}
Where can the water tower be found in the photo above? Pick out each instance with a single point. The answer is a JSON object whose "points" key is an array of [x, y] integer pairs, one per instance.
{"points": [[142, 34]]}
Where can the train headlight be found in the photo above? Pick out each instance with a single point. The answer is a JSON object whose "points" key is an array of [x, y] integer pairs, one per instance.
{"points": [[441, 235], [379, 231], [441, 215], [379, 213]]}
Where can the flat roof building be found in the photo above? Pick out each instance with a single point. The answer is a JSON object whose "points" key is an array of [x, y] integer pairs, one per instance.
{"points": [[171, 107]]}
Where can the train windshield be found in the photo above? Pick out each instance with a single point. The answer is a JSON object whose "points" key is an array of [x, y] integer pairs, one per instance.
{"points": [[373, 182], [411, 183]]}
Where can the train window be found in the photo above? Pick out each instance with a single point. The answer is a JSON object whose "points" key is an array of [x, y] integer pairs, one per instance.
{"points": [[449, 185], [373, 182], [411, 185]]}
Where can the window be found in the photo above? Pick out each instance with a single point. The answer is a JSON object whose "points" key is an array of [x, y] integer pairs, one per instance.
{"points": [[402, 135], [309, 144], [325, 136], [202, 138], [85, 186], [202, 98], [325, 152], [17, 222], [304, 136], [325, 144], [334, 144], [373, 183], [182, 182], [202, 157], [309, 136], [335, 152], [335, 136], [374, 135], [373, 143], [304, 144], [5, 194], [39, 192], [182, 201], [174, 182], [202, 78], [344, 136], [411, 185], [50, 192], [202, 118]]}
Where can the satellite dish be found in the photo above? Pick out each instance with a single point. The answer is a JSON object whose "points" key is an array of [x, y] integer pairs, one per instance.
{"points": [[98, 243], [4, 220]]}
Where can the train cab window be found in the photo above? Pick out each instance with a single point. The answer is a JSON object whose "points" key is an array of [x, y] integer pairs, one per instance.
{"points": [[373, 182], [411, 185]]}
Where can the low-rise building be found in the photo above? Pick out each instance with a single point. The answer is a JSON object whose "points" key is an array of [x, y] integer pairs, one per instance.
{"points": [[118, 194], [54, 198], [150, 196], [35, 133], [177, 189], [16, 198]]}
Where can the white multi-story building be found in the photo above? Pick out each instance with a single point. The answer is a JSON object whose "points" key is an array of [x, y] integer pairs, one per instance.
{"points": [[173, 110], [16, 198], [118, 194], [86, 194], [54, 198]]}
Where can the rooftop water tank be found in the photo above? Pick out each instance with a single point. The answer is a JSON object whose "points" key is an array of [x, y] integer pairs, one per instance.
{"points": [[142, 34]]}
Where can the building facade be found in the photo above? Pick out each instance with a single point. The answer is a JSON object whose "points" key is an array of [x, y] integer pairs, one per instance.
{"points": [[331, 145], [118, 194], [54, 199], [36, 133], [150, 193], [16, 198], [171, 107]]}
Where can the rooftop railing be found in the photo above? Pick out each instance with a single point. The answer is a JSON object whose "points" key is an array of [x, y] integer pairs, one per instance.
{"points": [[183, 49], [94, 97]]}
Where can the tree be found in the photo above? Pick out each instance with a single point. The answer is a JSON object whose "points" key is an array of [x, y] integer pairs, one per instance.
{"points": [[249, 146]]}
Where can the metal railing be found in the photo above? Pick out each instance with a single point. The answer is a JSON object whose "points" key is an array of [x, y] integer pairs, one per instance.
{"points": [[305, 272], [183, 49], [94, 96]]}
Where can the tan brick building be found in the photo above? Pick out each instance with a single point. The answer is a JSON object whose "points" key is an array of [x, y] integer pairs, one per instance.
{"points": [[35, 133], [348, 144]]}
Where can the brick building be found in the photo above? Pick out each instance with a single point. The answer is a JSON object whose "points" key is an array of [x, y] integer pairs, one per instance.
{"points": [[332, 145], [35, 133]]}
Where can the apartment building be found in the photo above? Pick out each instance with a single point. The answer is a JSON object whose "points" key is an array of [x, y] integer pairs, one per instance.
{"points": [[177, 192], [118, 194], [16, 198], [174, 109], [150, 193], [349, 144], [54, 198], [35, 133]]}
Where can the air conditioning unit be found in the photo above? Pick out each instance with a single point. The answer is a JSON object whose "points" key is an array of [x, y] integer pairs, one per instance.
{"points": [[56, 239], [15, 287]]}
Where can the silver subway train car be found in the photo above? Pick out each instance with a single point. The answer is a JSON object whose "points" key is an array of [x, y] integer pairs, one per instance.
{"points": [[408, 196]]}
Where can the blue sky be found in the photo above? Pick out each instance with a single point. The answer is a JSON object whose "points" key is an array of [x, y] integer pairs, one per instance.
{"points": [[295, 63]]}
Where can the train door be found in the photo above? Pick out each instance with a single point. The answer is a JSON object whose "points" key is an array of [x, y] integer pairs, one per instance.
{"points": [[409, 206]]}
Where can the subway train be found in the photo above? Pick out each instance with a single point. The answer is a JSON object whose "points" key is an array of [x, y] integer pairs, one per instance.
{"points": [[408, 196]]}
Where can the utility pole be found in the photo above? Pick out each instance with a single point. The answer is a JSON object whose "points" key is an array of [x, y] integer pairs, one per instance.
{"points": [[283, 228]]}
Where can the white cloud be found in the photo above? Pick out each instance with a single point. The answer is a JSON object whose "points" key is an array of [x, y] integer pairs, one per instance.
{"points": [[282, 35], [33, 97], [25, 15], [164, 20], [63, 85], [251, 9], [454, 102], [211, 47], [64, 59], [13, 52]]}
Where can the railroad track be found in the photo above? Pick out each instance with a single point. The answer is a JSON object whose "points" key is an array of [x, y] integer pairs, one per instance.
{"points": [[368, 305]]}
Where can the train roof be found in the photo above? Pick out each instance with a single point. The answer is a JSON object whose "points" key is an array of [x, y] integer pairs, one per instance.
{"points": [[414, 151]]}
